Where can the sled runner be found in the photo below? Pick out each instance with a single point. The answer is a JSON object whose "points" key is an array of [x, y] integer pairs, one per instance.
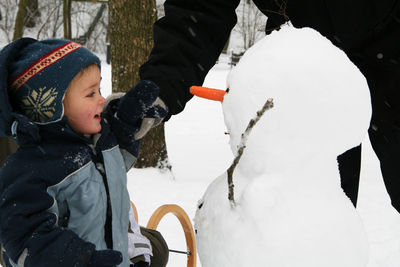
{"points": [[185, 222]]}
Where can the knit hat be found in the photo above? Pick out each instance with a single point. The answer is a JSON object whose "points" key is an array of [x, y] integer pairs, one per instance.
{"points": [[40, 75]]}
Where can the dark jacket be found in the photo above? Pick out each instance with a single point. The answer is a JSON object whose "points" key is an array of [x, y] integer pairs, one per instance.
{"points": [[190, 37], [63, 195]]}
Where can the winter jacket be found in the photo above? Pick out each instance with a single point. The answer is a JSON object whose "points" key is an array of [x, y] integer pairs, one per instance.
{"points": [[63, 195], [193, 33]]}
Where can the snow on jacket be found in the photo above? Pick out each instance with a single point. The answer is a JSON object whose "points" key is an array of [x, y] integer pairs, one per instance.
{"points": [[63, 195], [192, 34]]}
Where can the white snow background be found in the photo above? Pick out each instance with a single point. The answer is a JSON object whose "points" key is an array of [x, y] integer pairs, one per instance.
{"points": [[199, 151]]}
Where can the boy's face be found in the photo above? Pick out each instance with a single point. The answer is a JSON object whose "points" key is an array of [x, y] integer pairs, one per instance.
{"points": [[83, 103]]}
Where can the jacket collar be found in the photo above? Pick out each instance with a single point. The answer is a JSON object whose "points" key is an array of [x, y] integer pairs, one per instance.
{"points": [[28, 133]]}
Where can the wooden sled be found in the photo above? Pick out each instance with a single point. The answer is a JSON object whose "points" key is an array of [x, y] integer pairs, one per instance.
{"points": [[185, 222]]}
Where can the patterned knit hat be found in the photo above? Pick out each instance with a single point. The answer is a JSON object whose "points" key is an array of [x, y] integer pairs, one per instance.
{"points": [[40, 75]]}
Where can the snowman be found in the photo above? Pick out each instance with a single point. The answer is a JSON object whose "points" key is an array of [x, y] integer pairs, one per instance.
{"points": [[289, 209]]}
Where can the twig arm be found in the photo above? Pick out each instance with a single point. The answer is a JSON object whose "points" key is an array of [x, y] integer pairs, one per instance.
{"points": [[268, 105]]}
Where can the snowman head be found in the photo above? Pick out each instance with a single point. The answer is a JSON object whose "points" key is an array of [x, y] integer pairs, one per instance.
{"points": [[321, 101]]}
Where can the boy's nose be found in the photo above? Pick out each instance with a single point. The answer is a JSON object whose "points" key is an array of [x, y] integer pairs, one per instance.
{"points": [[102, 100]]}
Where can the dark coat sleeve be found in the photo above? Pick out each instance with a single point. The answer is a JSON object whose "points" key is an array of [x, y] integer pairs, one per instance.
{"points": [[187, 43], [27, 228]]}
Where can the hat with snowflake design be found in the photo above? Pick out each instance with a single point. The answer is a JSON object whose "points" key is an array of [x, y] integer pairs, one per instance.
{"points": [[40, 75]]}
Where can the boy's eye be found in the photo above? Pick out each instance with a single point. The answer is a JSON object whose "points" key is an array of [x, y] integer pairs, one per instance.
{"points": [[90, 94]]}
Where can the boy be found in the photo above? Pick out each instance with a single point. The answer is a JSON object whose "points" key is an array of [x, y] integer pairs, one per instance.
{"points": [[63, 195]]}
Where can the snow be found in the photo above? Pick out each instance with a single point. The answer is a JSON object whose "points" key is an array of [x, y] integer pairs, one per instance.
{"points": [[199, 151], [287, 184]]}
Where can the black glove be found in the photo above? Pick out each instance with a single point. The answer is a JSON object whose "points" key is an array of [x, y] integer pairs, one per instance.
{"points": [[141, 107], [105, 258], [159, 247]]}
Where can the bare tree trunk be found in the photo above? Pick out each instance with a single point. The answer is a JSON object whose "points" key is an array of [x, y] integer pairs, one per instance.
{"points": [[130, 32], [96, 19], [1, 257], [7, 147], [19, 20], [251, 23], [153, 150], [32, 10], [226, 46], [67, 19], [131, 39]]}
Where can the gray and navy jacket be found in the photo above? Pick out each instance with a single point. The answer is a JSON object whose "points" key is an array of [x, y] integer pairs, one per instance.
{"points": [[63, 195]]}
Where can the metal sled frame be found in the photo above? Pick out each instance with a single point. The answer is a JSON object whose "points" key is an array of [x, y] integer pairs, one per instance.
{"points": [[185, 222]]}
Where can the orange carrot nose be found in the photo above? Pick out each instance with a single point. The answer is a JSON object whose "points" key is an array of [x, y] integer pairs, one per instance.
{"points": [[208, 93]]}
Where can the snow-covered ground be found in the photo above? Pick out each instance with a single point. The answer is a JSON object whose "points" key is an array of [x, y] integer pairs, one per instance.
{"points": [[199, 152]]}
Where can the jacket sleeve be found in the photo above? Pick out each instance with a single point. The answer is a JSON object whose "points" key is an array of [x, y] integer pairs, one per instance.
{"points": [[29, 232], [123, 131], [187, 43]]}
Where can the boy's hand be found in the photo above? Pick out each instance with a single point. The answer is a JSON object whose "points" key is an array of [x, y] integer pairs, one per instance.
{"points": [[105, 258], [148, 123], [142, 107]]}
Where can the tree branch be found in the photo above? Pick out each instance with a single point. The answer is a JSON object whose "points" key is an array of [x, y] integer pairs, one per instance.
{"points": [[96, 19], [268, 105]]}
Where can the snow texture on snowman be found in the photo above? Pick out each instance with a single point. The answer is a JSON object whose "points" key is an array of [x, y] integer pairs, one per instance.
{"points": [[290, 209]]}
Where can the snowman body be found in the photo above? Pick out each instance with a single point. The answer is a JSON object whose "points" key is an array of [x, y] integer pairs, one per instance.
{"points": [[290, 209]]}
